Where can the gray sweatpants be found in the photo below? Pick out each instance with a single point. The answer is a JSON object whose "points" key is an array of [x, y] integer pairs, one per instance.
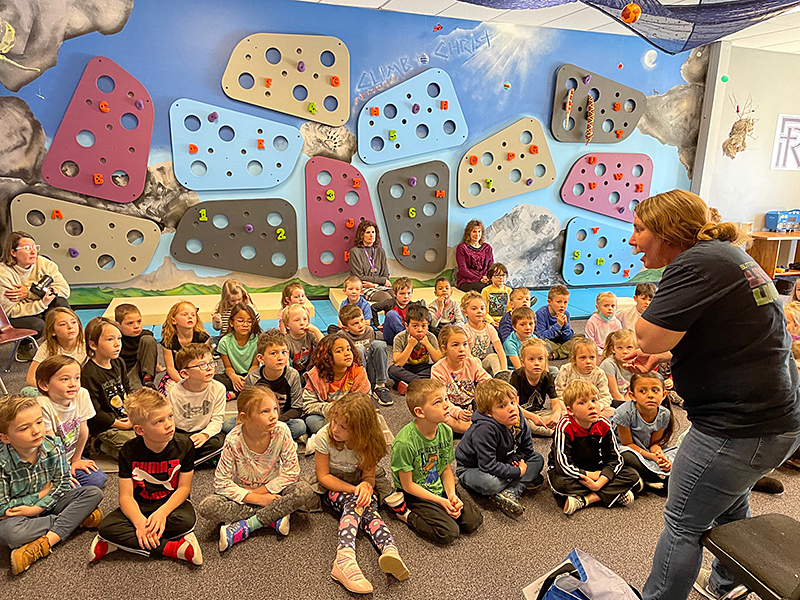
{"points": [[220, 509]]}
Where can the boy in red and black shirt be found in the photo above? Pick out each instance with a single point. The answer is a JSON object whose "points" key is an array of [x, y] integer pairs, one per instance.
{"points": [[155, 517]]}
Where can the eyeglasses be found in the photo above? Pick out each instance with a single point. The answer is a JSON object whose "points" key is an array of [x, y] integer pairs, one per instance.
{"points": [[244, 321], [206, 366], [28, 247]]}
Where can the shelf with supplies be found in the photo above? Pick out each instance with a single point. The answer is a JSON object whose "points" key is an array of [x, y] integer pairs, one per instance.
{"points": [[766, 248]]}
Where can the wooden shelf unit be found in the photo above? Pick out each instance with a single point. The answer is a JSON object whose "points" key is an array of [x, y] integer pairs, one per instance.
{"points": [[766, 247]]}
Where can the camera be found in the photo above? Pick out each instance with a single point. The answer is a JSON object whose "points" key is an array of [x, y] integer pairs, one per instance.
{"points": [[41, 287]]}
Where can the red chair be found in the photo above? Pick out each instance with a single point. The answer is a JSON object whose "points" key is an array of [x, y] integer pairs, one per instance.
{"points": [[8, 334]]}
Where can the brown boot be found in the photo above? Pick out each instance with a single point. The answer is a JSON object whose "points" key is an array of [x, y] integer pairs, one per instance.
{"points": [[93, 520], [23, 557]]}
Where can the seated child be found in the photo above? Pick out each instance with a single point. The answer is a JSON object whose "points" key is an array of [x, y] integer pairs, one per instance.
{"points": [[279, 376], [182, 326], [301, 336], [257, 482], [198, 402], [642, 296], [232, 293], [421, 457], [536, 388], [38, 506], [394, 321], [583, 365], [445, 311], [585, 465], [139, 346], [63, 334], [602, 322], [618, 345], [414, 350], [238, 348], [106, 379], [66, 408], [460, 373], [155, 516], [348, 449], [337, 371], [496, 293], [552, 323], [496, 456], [292, 294], [523, 321], [356, 328], [482, 338], [352, 291], [518, 298], [644, 427], [792, 313]]}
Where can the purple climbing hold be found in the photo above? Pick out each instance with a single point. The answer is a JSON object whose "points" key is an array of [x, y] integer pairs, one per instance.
{"points": [[301, 66], [139, 105], [73, 253], [248, 228], [412, 182], [587, 79], [415, 108], [529, 182], [213, 117], [621, 210]]}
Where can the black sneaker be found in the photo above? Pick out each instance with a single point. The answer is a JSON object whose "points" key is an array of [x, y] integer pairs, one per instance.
{"points": [[768, 485], [508, 502], [382, 395], [25, 351]]}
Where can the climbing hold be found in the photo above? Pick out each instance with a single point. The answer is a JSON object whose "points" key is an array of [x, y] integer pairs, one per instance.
{"points": [[139, 105], [312, 108], [412, 212], [489, 183], [260, 144], [301, 66], [618, 176], [192, 149], [592, 185], [374, 111], [631, 13], [443, 105], [346, 256], [639, 188], [534, 149], [412, 182], [104, 107], [589, 118], [620, 133], [405, 251], [350, 223], [601, 261], [511, 156], [248, 228], [592, 160], [439, 194], [626, 272], [356, 182], [268, 82], [529, 182], [587, 79], [621, 210], [506, 86], [73, 253], [57, 214], [724, 79], [473, 160], [576, 254], [619, 66], [415, 108], [213, 116], [392, 134], [595, 229], [98, 179], [335, 80], [330, 195], [617, 106]]}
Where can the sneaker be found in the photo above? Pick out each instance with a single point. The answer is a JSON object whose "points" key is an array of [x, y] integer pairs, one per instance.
{"points": [[574, 504], [383, 396], [503, 375], [390, 562], [768, 485], [303, 439], [232, 534], [536, 483], [25, 351], [282, 525], [23, 557], [345, 570], [508, 502], [793, 462], [625, 499], [655, 485], [401, 387], [93, 520], [100, 548], [185, 548], [702, 587]]}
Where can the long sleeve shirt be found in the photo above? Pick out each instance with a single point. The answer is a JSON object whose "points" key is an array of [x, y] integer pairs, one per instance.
{"points": [[240, 470], [547, 327], [597, 377], [21, 481], [576, 451], [597, 329], [11, 276], [376, 272], [473, 263]]}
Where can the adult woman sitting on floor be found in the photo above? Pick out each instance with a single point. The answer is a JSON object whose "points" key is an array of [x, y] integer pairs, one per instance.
{"points": [[368, 261], [30, 285], [473, 257]]}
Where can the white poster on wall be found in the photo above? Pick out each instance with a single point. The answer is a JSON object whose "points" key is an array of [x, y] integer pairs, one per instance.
{"points": [[786, 149]]}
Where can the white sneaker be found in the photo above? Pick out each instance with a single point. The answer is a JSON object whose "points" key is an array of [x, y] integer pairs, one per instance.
{"points": [[625, 499], [574, 504], [702, 587]]}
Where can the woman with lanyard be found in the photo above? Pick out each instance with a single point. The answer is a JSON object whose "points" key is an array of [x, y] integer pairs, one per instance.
{"points": [[717, 319], [368, 261], [22, 271]]}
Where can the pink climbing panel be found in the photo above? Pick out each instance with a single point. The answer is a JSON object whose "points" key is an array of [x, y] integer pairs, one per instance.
{"points": [[102, 144], [337, 200], [609, 183]]}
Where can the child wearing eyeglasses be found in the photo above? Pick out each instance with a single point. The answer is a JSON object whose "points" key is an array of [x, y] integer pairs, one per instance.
{"points": [[198, 402]]}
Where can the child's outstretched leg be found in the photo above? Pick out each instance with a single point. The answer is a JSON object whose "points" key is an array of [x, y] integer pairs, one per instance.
{"points": [[345, 568], [374, 526]]}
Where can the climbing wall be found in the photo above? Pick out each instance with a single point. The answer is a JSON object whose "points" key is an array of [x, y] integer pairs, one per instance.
{"points": [[89, 245], [337, 200], [307, 76], [415, 117], [256, 236], [414, 201], [215, 148], [608, 183], [597, 254], [102, 144], [582, 98], [511, 162]]}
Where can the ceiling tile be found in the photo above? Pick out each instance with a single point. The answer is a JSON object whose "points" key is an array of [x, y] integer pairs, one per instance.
{"points": [[420, 7], [472, 12]]}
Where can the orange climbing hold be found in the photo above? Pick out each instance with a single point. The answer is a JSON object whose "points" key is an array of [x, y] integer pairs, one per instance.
{"points": [[57, 214], [346, 256], [350, 223], [335, 80], [374, 111], [473, 160], [534, 149], [268, 82], [592, 185], [592, 160], [260, 144], [440, 193], [444, 105], [617, 106], [356, 182], [618, 176], [595, 229], [639, 188], [405, 251], [626, 272], [620, 133], [511, 156], [98, 179], [104, 107], [192, 149]]}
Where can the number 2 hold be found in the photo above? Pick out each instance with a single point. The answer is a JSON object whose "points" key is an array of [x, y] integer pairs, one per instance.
{"points": [[281, 233]]}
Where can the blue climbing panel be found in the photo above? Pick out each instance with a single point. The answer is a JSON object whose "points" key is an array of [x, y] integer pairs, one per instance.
{"points": [[215, 148], [598, 254], [415, 117]]}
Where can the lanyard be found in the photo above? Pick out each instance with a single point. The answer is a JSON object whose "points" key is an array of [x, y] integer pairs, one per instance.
{"points": [[370, 259]]}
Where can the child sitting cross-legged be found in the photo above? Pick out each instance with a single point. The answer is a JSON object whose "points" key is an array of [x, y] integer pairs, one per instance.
{"points": [[414, 350], [523, 321], [279, 376], [460, 373], [583, 365], [619, 344], [422, 454], [238, 348], [198, 402], [536, 389], [445, 310], [352, 291], [496, 456], [482, 339], [552, 322], [518, 298], [182, 326], [403, 288], [257, 482], [63, 335], [356, 328], [139, 346], [155, 516], [585, 465], [496, 293], [38, 506], [602, 322]]}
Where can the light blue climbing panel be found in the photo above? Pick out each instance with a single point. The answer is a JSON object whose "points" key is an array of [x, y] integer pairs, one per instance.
{"points": [[215, 148], [598, 254], [415, 117]]}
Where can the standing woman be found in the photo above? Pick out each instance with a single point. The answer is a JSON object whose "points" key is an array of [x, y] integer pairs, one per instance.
{"points": [[368, 261], [474, 257], [21, 267], [717, 319]]}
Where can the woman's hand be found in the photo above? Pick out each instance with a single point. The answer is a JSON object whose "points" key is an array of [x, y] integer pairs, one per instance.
{"points": [[639, 362], [16, 293]]}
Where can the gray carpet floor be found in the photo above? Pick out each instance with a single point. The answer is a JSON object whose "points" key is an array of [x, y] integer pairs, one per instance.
{"points": [[497, 561]]}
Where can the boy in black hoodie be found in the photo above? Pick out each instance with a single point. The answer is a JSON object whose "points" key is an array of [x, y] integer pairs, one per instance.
{"points": [[585, 465], [496, 456]]}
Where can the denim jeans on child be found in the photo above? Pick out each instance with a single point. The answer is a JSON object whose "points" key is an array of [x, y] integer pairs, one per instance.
{"points": [[709, 485], [488, 484], [375, 361]]}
